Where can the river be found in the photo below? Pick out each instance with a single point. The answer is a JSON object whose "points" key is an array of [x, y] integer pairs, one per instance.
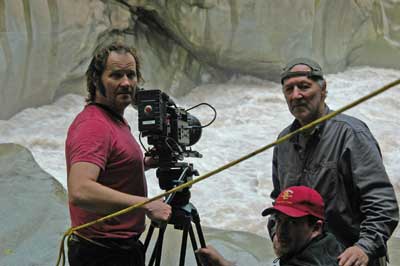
{"points": [[251, 113]]}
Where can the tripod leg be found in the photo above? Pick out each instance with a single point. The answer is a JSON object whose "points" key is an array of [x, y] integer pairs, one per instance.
{"points": [[159, 245], [156, 254], [194, 243], [148, 237], [196, 221], [200, 234], [153, 255], [184, 243]]}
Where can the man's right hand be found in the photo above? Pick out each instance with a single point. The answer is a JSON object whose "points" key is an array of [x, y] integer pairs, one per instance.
{"points": [[158, 211], [209, 256], [353, 256]]}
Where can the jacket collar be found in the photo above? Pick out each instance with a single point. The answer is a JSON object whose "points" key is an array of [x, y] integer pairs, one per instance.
{"points": [[315, 132]]}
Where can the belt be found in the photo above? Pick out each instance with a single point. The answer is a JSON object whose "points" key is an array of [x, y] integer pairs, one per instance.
{"points": [[75, 236]]}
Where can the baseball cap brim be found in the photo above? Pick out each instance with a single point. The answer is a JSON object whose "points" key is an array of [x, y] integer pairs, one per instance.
{"points": [[289, 211]]}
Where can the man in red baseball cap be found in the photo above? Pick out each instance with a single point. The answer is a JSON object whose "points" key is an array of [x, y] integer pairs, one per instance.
{"points": [[299, 238]]}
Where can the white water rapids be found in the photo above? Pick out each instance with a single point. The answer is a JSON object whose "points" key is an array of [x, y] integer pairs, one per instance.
{"points": [[251, 113]]}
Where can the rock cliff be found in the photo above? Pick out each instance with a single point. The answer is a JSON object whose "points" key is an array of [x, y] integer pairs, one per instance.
{"points": [[45, 46]]}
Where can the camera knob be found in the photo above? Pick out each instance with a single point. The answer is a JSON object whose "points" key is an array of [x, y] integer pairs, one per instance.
{"points": [[148, 109]]}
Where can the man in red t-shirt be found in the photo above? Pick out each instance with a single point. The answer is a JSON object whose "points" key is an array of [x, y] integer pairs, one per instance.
{"points": [[105, 166]]}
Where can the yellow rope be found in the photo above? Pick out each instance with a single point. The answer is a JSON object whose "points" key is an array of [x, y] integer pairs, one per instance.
{"points": [[61, 255]]}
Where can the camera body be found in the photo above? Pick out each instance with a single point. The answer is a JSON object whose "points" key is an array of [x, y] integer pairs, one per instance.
{"points": [[170, 129]]}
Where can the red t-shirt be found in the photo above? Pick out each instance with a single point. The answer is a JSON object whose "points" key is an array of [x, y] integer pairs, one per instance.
{"points": [[95, 137]]}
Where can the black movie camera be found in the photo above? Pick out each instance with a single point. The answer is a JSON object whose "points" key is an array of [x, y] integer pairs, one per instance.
{"points": [[170, 129]]}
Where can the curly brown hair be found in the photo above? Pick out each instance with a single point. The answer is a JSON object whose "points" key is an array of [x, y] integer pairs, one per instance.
{"points": [[98, 64]]}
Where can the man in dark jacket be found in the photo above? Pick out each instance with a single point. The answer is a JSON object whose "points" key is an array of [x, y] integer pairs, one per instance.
{"points": [[300, 239], [342, 161]]}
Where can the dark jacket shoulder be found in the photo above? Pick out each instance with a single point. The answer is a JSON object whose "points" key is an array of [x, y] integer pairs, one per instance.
{"points": [[321, 251]]}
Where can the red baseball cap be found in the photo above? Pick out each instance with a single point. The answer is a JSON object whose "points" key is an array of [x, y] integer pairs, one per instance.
{"points": [[298, 201]]}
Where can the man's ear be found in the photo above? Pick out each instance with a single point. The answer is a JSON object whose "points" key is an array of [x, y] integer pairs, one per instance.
{"points": [[323, 89], [317, 229], [99, 87]]}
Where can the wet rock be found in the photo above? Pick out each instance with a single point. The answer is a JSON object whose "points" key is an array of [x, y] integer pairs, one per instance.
{"points": [[33, 211]]}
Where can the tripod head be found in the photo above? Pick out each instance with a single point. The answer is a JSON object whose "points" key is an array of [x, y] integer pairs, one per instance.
{"points": [[173, 174]]}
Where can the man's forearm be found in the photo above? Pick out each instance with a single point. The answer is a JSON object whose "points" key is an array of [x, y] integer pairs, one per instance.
{"points": [[100, 199]]}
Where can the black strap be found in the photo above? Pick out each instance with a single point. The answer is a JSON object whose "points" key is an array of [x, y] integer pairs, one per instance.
{"points": [[114, 115]]}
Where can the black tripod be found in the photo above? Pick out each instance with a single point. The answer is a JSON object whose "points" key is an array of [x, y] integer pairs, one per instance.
{"points": [[184, 214]]}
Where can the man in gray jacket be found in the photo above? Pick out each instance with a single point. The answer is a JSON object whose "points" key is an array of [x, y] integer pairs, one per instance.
{"points": [[342, 161]]}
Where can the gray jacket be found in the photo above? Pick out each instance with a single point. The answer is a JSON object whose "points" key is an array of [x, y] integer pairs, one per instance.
{"points": [[342, 161]]}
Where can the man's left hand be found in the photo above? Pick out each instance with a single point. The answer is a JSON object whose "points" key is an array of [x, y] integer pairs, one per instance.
{"points": [[150, 162], [353, 256]]}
